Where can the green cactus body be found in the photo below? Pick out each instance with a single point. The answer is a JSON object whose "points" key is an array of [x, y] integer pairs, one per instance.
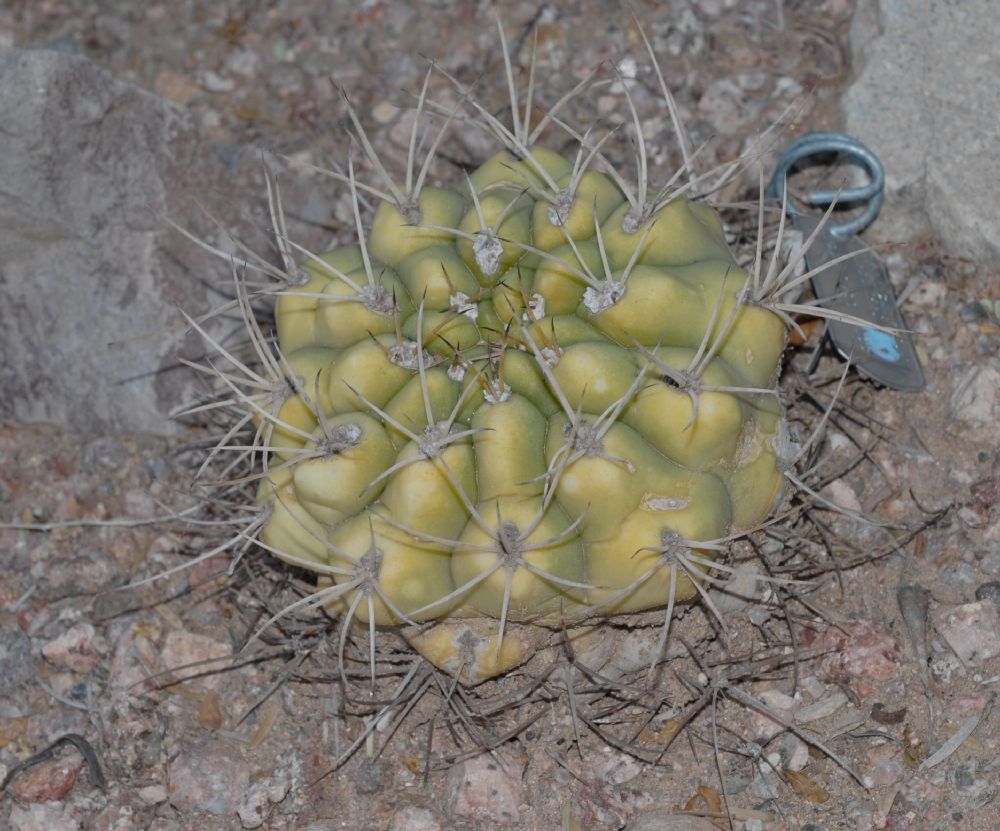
{"points": [[516, 406]]}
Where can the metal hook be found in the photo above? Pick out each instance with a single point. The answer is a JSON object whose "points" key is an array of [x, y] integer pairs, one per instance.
{"points": [[813, 144]]}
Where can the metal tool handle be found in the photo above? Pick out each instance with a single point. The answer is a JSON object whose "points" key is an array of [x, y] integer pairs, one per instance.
{"points": [[813, 144]]}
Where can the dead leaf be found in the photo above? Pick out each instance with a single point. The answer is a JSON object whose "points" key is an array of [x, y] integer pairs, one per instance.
{"points": [[661, 736], [883, 715], [809, 328], [269, 712], [707, 803], [806, 787], [209, 712], [911, 748]]}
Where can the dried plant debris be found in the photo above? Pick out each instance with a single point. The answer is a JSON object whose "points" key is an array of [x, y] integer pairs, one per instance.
{"points": [[746, 657]]}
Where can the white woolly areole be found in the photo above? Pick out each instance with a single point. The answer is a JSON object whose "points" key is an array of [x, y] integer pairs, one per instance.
{"points": [[608, 293], [535, 308], [460, 304], [487, 250], [560, 207], [550, 355], [340, 439], [378, 298], [405, 355], [434, 439], [495, 393], [456, 371], [634, 220]]}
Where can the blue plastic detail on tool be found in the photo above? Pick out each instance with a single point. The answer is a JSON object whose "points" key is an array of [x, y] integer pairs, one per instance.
{"points": [[882, 344]]}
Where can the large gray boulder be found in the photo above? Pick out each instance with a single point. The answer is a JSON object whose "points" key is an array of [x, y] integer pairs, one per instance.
{"points": [[91, 274], [925, 98]]}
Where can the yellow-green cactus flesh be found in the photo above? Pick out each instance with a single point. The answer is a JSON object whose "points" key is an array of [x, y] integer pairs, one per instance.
{"points": [[533, 405]]}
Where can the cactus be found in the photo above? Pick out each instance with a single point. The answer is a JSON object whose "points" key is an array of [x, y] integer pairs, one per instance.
{"points": [[545, 394]]}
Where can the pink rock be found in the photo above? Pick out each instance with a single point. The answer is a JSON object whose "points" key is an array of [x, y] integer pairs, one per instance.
{"points": [[414, 819], [842, 495], [860, 651], [886, 765], [972, 631], [614, 767], [963, 705], [763, 728], [74, 649], [207, 776], [917, 806], [133, 663], [47, 781], [604, 803], [202, 575], [795, 751], [43, 817], [489, 787], [888, 772], [257, 802], [186, 654]]}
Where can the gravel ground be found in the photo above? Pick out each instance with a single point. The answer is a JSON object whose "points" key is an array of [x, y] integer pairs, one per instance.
{"points": [[226, 743]]}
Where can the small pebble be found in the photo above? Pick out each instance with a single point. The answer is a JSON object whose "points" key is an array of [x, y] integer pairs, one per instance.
{"points": [[414, 819], [16, 665], [964, 705], [257, 801], [75, 649], [489, 787], [383, 112], [777, 699], [886, 765], [763, 728], [42, 817], [48, 781], [175, 87], [843, 495], [184, 649], [153, 794], [213, 82], [989, 591], [207, 776], [972, 631], [614, 767], [88, 572], [372, 777], [976, 396], [861, 652], [103, 455], [794, 752], [945, 667], [740, 590]]}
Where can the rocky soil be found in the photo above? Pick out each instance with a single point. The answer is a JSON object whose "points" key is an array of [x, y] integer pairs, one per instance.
{"points": [[175, 721]]}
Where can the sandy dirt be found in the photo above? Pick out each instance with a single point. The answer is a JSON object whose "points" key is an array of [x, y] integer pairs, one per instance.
{"points": [[191, 728]]}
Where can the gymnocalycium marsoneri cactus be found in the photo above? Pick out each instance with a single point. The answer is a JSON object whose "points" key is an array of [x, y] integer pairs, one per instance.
{"points": [[547, 393]]}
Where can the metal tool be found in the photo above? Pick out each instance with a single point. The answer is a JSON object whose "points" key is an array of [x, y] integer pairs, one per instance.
{"points": [[858, 286]]}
